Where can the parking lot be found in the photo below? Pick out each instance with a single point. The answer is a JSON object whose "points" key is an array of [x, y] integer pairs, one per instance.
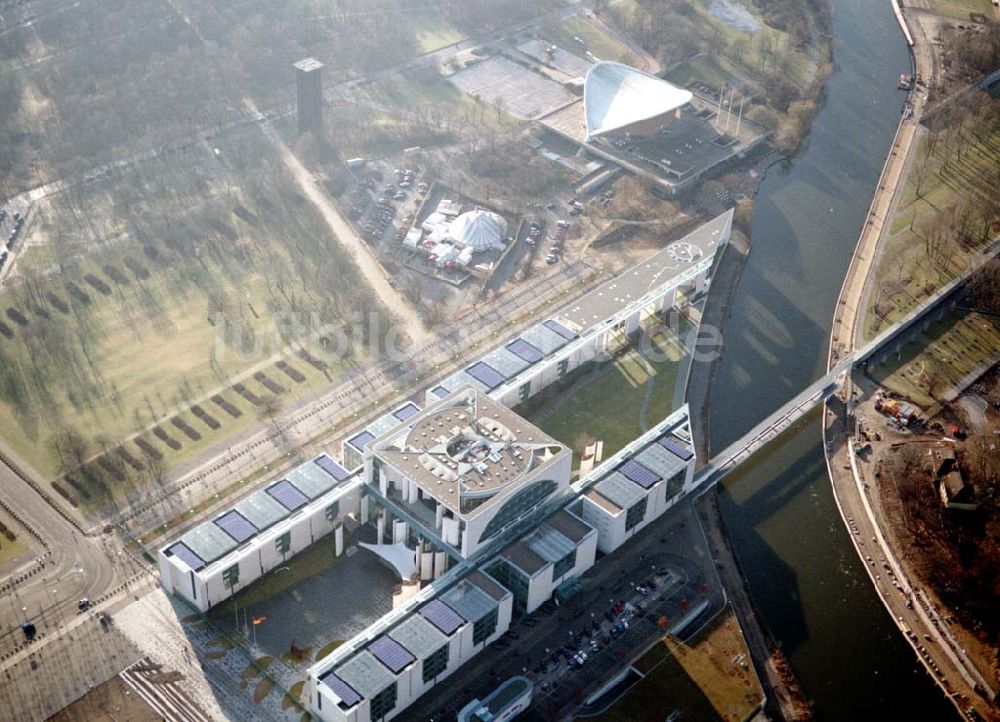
{"points": [[611, 620], [518, 91]]}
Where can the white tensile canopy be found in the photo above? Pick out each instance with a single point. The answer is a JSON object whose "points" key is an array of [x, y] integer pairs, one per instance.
{"points": [[480, 230], [617, 97]]}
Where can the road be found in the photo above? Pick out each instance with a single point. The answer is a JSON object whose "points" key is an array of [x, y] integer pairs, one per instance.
{"points": [[77, 566], [360, 252]]}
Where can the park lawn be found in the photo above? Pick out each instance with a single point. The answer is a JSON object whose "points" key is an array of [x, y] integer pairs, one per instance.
{"points": [[596, 39], [942, 356], [438, 95], [705, 679], [903, 261], [961, 9], [604, 403], [155, 348], [433, 32], [755, 52]]}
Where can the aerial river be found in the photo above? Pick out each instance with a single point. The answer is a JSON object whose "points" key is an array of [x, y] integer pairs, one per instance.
{"points": [[808, 582]]}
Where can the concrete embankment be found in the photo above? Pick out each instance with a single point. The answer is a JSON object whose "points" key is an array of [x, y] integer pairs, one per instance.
{"points": [[784, 695]]}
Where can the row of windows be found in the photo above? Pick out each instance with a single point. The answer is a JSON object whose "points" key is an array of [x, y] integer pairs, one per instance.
{"points": [[384, 702], [282, 544], [564, 565], [635, 514], [482, 629], [518, 505], [435, 664]]}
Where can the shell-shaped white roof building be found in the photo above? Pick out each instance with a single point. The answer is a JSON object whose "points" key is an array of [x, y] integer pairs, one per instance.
{"points": [[617, 98], [479, 229]]}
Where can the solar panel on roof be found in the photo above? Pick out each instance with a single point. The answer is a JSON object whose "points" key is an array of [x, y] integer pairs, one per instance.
{"points": [[236, 526], [332, 468], [187, 556], [675, 447], [406, 411], [485, 373], [341, 688], [559, 329], [440, 391], [287, 495], [391, 653], [522, 349], [361, 440], [634, 471], [441, 616]]}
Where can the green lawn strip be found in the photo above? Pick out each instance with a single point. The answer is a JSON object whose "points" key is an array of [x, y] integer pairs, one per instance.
{"points": [[961, 9], [942, 356], [605, 401], [318, 558], [433, 32], [699, 678], [326, 649]]}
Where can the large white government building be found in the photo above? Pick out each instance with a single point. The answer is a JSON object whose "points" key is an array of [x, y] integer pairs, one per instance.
{"points": [[466, 496]]}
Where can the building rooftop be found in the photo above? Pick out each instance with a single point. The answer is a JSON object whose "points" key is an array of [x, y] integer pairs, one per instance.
{"points": [[571, 527], [307, 65], [548, 543], [391, 653], [497, 702], [467, 450], [365, 674], [261, 510], [445, 619], [211, 540], [419, 636], [617, 97], [602, 501], [648, 275], [487, 584], [524, 558], [469, 601]]}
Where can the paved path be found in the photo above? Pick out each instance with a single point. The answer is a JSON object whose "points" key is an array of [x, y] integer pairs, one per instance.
{"points": [[852, 483]]}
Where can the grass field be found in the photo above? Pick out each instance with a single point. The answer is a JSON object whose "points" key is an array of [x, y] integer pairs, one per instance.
{"points": [[709, 678], [961, 9], [942, 356], [736, 53], [904, 277], [595, 39], [580, 414], [213, 282], [432, 32]]}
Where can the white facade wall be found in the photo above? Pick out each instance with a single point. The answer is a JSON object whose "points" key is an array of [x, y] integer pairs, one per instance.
{"points": [[259, 555], [409, 683], [610, 527], [540, 588]]}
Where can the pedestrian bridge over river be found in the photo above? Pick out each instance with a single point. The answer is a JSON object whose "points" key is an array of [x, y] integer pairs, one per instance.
{"points": [[730, 458]]}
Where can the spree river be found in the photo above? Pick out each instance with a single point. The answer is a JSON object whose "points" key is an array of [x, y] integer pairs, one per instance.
{"points": [[805, 577]]}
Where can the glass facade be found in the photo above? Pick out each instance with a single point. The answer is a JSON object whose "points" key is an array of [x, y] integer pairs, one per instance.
{"points": [[482, 629], [515, 580], [283, 543], [436, 663], [525, 391], [332, 511], [564, 565], [231, 576], [384, 702], [635, 514], [515, 507]]}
